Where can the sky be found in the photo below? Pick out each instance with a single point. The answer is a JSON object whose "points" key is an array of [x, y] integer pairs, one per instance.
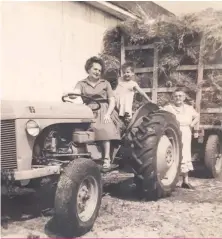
{"points": [[183, 7]]}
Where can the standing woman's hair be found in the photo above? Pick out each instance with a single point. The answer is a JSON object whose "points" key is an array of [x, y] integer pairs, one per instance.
{"points": [[188, 99], [92, 60], [180, 89]]}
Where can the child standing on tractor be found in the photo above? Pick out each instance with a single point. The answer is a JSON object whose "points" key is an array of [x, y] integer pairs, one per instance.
{"points": [[126, 88]]}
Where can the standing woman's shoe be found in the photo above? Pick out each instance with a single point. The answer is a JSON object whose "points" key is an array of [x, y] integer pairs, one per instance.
{"points": [[187, 186]]}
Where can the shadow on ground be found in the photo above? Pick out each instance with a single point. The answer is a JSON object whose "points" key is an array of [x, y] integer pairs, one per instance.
{"points": [[21, 208], [40, 204], [207, 190], [29, 206], [200, 172]]}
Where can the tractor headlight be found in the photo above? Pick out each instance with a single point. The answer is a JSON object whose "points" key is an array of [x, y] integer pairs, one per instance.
{"points": [[32, 128]]}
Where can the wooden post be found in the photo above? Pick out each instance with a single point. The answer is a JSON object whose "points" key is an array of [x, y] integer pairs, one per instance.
{"points": [[123, 58], [155, 75], [200, 78]]}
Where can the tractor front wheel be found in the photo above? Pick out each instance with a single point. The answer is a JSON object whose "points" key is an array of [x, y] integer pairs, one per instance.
{"points": [[78, 197]]}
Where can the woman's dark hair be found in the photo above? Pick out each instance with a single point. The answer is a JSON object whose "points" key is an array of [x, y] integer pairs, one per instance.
{"points": [[92, 60], [128, 64]]}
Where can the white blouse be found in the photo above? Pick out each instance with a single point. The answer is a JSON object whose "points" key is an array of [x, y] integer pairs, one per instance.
{"points": [[184, 114]]}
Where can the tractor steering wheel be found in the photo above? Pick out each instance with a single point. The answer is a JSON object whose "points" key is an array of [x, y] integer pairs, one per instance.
{"points": [[81, 95]]}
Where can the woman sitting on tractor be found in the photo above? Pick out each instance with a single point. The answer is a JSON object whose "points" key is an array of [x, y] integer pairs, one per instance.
{"points": [[107, 125]]}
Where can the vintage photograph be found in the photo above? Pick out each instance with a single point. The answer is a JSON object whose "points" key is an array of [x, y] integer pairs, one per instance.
{"points": [[111, 119]]}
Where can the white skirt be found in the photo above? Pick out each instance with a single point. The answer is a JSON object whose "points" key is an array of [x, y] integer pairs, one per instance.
{"points": [[186, 164]]}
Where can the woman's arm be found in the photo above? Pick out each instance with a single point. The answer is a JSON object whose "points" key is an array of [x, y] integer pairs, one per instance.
{"points": [[76, 90], [196, 118], [195, 121], [111, 107]]}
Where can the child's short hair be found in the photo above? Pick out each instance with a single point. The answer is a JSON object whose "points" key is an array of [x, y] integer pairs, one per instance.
{"points": [[128, 64]]}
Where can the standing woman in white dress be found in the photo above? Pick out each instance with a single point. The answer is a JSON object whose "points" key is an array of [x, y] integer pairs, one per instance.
{"points": [[187, 117]]}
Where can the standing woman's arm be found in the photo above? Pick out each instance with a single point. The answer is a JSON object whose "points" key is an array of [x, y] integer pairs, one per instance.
{"points": [[195, 116]]}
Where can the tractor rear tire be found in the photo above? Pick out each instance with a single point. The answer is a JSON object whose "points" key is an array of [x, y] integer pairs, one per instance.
{"points": [[78, 198], [151, 139], [213, 156]]}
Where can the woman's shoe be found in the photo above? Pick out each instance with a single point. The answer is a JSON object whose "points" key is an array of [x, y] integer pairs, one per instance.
{"points": [[107, 163], [187, 186]]}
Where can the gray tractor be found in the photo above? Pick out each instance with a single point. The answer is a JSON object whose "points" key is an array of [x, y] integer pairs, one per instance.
{"points": [[40, 140]]}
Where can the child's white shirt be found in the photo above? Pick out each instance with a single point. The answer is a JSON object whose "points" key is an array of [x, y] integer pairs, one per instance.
{"points": [[124, 94]]}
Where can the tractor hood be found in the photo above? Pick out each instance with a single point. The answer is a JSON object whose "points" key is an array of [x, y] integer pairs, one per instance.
{"points": [[47, 110]]}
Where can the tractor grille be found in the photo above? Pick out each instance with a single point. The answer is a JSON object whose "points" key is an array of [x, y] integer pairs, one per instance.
{"points": [[8, 145]]}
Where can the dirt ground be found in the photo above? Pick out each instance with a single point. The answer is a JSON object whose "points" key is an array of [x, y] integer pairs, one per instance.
{"points": [[186, 213]]}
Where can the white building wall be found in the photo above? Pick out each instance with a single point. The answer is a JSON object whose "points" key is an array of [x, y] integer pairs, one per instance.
{"points": [[45, 46]]}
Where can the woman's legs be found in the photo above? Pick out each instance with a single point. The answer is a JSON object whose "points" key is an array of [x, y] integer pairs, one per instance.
{"points": [[186, 183], [186, 164], [106, 147], [185, 178]]}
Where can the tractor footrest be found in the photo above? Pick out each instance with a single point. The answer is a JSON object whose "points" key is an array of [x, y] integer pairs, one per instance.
{"points": [[117, 175]]}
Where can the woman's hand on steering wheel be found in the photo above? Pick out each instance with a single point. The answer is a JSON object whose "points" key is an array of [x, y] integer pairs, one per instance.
{"points": [[72, 97], [75, 95]]}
